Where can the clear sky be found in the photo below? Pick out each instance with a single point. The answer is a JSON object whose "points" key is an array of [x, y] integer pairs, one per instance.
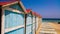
{"points": [[47, 8]]}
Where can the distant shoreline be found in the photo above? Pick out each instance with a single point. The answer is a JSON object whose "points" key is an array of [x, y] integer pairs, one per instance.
{"points": [[51, 19]]}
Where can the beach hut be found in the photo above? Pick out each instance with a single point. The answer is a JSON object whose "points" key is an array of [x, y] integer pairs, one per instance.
{"points": [[12, 17], [34, 22], [37, 20], [29, 21]]}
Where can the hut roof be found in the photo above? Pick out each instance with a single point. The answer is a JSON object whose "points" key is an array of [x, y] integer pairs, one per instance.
{"points": [[7, 2], [36, 14], [28, 11]]}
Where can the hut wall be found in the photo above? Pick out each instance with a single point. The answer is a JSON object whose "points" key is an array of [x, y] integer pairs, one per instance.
{"points": [[14, 20], [34, 24], [37, 22]]}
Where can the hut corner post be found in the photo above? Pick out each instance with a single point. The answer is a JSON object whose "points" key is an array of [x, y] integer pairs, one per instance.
{"points": [[1, 20], [25, 22], [0, 17]]}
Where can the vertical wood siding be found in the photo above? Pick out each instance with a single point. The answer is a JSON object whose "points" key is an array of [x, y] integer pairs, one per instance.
{"points": [[29, 25], [33, 25], [13, 19]]}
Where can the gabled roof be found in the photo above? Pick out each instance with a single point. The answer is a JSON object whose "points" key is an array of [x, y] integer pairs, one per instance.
{"points": [[28, 11], [11, 2], [4, 3]]}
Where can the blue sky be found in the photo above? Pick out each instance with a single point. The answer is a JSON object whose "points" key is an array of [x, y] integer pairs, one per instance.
{"points": [[47, 8]]}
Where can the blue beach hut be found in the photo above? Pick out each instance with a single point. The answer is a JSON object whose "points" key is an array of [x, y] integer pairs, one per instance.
{"points": [[12, 17]]}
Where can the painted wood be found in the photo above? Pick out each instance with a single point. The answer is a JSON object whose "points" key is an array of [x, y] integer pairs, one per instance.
{"points": [[14, 28], [29, 24], [37, 23], [16, 6], [28, 29], [10, 4], [33, 24], [29, 20], [17, 31], [13, 19], [2, 24]]}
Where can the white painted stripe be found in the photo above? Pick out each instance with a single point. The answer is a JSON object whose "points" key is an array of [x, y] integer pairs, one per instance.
{"points": [[14, 28]]}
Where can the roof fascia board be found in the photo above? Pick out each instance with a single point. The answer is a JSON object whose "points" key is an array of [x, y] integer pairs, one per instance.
{"points": [[20, 3], [10, 4]]}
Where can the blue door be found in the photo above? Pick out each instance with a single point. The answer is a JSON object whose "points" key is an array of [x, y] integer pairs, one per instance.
{"points": [[13, 19]]}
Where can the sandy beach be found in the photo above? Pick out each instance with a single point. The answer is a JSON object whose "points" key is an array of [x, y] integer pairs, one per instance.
{"points": [[54, 27]]}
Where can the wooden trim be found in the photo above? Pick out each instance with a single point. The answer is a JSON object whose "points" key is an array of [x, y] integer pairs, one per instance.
{"points": [[13, 28], [14, 10], [20, 3], [25, 23], [10, 4], [2, 19]]}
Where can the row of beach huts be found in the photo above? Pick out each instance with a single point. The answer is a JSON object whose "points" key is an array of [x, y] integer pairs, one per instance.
{"points": [[15, 19]]}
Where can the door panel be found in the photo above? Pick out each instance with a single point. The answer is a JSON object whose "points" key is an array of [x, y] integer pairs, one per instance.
{"points": [[29, 20]]}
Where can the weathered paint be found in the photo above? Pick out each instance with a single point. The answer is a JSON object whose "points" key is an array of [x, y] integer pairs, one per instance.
{"points": [[16, 6], [17, 31], [34, 24], [29, 24], [13, 19]]}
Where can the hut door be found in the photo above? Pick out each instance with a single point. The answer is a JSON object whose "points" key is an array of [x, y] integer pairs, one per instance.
{"points": [[14, 22], [29, 25]]}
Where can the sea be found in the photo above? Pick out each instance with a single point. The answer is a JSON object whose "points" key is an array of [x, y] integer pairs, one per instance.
{"points": [[51, 19]]}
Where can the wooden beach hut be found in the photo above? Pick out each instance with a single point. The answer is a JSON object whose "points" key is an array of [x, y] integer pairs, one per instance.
{"points": [[37, 20], [12, 17], [28, 21], [34, 22]]}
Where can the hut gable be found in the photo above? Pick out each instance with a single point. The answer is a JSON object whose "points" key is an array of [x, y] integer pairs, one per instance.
{"points": [[15, 5]]}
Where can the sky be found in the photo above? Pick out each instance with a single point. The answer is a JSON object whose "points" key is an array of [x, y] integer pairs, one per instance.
{"points": [[46, 8]]}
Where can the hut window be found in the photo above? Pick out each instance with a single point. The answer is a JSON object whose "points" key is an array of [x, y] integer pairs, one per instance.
{"points": [[16, 6]]}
